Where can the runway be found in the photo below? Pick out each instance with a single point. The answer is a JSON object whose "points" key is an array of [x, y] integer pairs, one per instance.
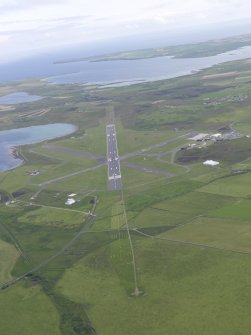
{"points": [[113, 163]]}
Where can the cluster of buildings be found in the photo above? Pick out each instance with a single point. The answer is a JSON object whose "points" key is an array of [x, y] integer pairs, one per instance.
{"points": [[202, 137], [228, 98]]}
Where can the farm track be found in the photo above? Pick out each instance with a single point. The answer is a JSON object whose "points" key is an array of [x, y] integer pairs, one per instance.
{"points": [[15, 242], [89, 221], [52, 207]]}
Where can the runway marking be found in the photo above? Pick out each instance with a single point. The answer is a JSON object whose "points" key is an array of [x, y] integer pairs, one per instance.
{"points": [[113, 162]]}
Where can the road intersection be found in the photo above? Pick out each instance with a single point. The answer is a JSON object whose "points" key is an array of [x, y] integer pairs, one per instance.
{"points": [[122, 158]]}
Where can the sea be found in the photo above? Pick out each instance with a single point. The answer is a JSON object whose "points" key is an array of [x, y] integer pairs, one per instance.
{"points": [[43, 65], [107, 74]]}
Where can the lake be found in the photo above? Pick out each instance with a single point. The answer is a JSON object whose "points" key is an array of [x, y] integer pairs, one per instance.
{"points": [[17, 98], [9, 139], [127, 72]]}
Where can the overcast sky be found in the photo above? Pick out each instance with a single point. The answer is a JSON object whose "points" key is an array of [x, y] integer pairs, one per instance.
{"points": [[33, 26]]}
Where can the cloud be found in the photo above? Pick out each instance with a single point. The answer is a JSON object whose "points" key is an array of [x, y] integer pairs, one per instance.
{"points": [[4, 38], [35, 24], [15, 5]]}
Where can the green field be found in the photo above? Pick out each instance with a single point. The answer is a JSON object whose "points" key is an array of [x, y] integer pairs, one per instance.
{"points": [[28, 310], [238, 210], [226, 234], [54, 217], [179, 210], [9, 256], [72, 270], [187, 291], [235, 185]]}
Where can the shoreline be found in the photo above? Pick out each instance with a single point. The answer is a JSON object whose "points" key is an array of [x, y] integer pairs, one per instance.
{"points": [[14, 156], [174, 68]]}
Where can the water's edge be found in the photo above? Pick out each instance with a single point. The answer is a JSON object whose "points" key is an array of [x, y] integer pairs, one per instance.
{"points": [[11, 141]]}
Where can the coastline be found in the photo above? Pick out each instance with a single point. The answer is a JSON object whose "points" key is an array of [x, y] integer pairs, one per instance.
{"points": [[144, 70], [11, 152]]}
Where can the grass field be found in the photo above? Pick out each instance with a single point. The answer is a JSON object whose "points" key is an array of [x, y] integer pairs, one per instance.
{"points": [[239, 210], [187, 291], [179, 210], [28, 310], [117, 220], [54, 217], [236, 186], [154, 163], [191, 231], [230, 234], [9, 255]]}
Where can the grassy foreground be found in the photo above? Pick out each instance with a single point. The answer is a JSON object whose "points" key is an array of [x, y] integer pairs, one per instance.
{"points": [[68, 269]]}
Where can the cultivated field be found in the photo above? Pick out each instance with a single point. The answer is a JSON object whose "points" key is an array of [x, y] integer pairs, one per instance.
{"points": [[69, 269]]}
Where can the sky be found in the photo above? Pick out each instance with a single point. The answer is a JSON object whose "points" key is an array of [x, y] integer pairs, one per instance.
{"points": [[30, 27]]}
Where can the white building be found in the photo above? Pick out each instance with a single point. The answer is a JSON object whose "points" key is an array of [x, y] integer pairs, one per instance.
{"points": [[211, 163], [70, 202]]}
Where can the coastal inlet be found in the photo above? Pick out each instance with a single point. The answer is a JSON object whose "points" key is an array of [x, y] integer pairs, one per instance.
{"points": [[11, 139]]}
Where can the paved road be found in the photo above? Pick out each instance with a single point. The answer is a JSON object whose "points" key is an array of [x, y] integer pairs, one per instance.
{"points": [[73, 174], [114, 174]]}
